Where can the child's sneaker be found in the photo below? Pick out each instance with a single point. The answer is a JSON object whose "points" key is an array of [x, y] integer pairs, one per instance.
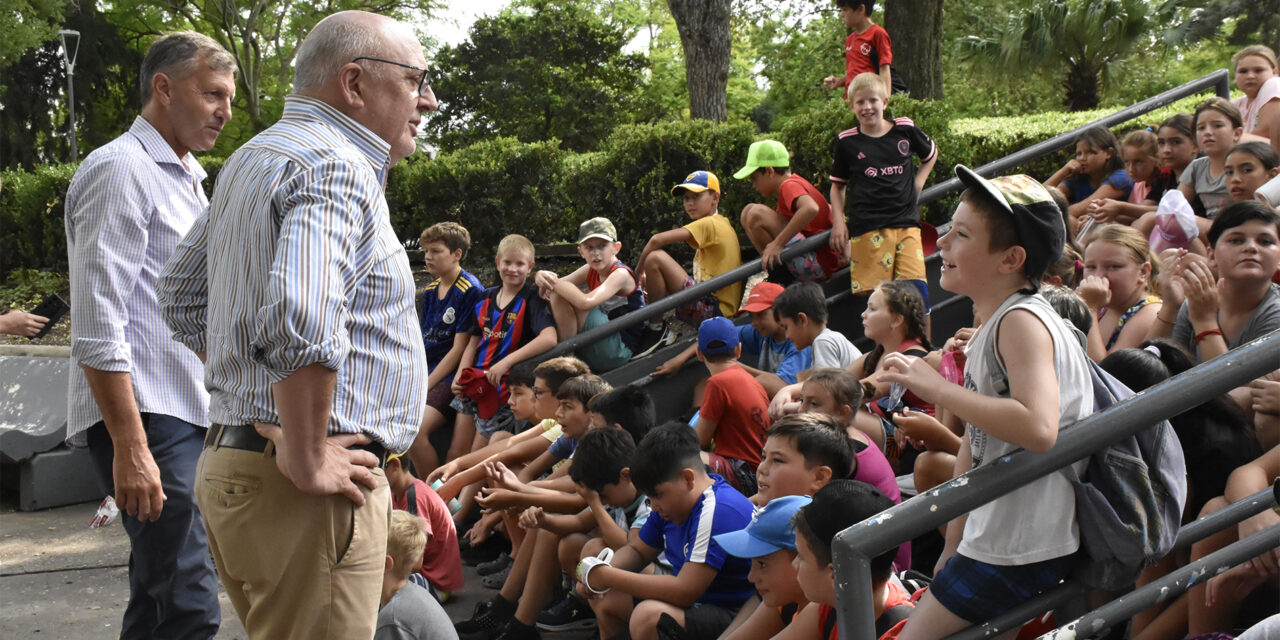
{"points": [[654, 339], [496, 579], [517, 630], [488, 619], [494, 566], [569, 614], [491, 548]]}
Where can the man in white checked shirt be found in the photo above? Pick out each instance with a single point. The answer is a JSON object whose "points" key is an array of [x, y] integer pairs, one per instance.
{"points": [[136, 398], [300, 293]]}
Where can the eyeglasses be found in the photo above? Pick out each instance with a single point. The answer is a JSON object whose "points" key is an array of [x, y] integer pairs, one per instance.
{"points": [[422, 81]]}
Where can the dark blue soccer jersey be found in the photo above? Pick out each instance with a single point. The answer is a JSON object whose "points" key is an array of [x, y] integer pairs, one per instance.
{"points": [[441, 320]]}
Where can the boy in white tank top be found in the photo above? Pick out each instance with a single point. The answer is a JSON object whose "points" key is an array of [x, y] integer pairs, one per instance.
{"points": [[1026, 377]]}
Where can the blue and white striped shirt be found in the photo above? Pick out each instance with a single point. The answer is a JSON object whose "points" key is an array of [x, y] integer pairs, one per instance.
{"points": [[295, 263], [127, 207]]}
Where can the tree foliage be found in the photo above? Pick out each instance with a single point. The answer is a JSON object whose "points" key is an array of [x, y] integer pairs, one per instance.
{"points": [[262, 35], [33, 126], [538, 71], [1079, 38], [26, 24], [1247, 21]]}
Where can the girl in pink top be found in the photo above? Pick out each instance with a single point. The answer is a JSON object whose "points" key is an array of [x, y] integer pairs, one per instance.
{"points": [[1256, 76]]}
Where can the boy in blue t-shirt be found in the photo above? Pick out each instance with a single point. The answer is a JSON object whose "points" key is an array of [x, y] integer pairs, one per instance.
{"points": [[706, 586], [510, 325], [448, 306]]}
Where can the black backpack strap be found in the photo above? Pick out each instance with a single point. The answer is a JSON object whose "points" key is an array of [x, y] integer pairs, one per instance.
{"points": [[412, 497], [830, 625]]}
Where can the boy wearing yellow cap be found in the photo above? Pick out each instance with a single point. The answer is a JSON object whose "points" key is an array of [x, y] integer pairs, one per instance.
{"points": [[717, 252]]}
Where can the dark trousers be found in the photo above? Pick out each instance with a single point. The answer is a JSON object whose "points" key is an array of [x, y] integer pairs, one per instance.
{"points": [[173, 589]]}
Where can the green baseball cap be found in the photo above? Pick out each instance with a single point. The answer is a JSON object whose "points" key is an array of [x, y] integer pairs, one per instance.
{"points": [[765, 153]]}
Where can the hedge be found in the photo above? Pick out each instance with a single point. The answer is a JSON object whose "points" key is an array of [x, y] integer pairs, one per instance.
{"points": [[543, 191]]}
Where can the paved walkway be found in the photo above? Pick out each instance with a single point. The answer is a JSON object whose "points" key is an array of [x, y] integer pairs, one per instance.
{"points": [[60, 579]]}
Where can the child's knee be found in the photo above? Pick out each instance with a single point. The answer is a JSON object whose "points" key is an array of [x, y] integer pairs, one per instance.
{"points": [[754, 214], [644, 618], [593, 547]]}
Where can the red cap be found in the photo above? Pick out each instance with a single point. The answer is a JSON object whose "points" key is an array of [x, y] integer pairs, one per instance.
{"points": [[478, 388], [762, 296]]}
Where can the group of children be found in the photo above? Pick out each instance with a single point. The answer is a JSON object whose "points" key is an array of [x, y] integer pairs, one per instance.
{"points": [[721, 525]]}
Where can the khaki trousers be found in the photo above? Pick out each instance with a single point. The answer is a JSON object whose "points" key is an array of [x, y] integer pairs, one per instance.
{"points": [[294, 565]]}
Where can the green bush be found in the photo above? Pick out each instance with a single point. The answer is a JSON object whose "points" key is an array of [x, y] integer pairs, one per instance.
{"points": [[539, 189], [492, 188], [629, 180], [32, 233]]}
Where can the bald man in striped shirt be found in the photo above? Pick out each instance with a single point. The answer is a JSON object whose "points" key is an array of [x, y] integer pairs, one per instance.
{"points": [[298, 292]]}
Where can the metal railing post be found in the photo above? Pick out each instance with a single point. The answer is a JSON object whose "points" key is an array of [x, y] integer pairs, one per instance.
{"points": [[883, 532]]}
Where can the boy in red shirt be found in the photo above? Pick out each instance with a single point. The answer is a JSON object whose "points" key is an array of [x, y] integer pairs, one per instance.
{"points": [[801, 212], [441, 559], [867, 49], [735, 407]]}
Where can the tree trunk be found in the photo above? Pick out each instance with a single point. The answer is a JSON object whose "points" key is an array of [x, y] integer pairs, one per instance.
{"points": [[704, 34], [915, 27], [1082, 88]]}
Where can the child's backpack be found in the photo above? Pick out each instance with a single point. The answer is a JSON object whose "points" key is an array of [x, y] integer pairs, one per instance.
{"points": [[1129, 501]]}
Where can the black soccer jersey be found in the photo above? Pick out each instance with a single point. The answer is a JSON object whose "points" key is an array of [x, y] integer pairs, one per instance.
{"points": [[879, 175]]}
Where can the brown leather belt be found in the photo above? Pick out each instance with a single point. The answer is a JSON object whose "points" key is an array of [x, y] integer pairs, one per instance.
{"points": [[246, 438]]}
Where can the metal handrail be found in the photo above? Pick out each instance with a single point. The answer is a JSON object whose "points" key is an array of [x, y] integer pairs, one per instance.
{"points": [[1169, 586], [853, 548], [1219, 80], [1190, 534]]}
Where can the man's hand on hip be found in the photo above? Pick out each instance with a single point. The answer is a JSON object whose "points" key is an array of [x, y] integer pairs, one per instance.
{"points": [[332, 470]]}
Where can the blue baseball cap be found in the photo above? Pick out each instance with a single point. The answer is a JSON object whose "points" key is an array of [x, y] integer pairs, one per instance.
{"points": [[717, 336], [697, 182], [770, 530]]}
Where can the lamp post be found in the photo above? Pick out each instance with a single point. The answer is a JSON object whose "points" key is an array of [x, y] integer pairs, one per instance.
{"points": [[69, 61]]}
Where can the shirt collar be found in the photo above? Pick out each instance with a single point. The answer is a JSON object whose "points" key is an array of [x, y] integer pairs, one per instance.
{"points": [[377, 150], [159, 150]]}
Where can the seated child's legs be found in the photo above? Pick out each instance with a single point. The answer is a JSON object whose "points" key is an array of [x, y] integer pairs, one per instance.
{"points": [[434, 415], [762, 224], [975, 591], [606, 353], [933, 468], [464, 432], [695, 312], [663, 276], [612, 611], [485, 428], [700, 620], [569, 550], [543, 574]]}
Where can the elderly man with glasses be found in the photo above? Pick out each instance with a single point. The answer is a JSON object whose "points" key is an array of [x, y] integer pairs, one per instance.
{"points": [[299, 294]]}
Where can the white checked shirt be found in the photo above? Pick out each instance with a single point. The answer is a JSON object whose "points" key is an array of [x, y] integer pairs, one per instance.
{"points": [[128, 205], [295, 264]]}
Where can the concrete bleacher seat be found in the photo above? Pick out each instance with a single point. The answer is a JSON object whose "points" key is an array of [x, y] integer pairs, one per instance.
{"points": [[33, 424]]}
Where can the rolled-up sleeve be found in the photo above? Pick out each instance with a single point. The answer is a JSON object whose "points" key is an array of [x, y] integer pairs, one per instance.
{"points": [[304, 319], [107, 220], [183, 288]]}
